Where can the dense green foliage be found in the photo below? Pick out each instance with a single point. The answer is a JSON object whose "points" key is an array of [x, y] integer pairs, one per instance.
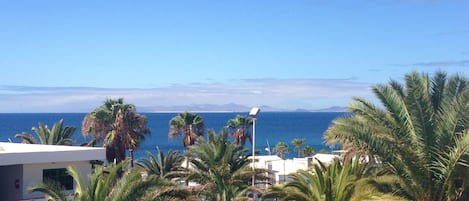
{"points": [[221, 168], [162, 165], [115, 184], [420, 133]]}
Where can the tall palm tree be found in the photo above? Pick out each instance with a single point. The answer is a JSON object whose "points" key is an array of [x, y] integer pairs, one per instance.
{"points": [[421, 132], [240, 129], [59, 135], [161, 164], [221, 168], [191, 125], [118, 126], [281, 149], [298, 142]]}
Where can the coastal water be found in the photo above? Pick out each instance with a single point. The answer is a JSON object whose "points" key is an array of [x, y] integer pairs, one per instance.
{"points": [[271, 127]]}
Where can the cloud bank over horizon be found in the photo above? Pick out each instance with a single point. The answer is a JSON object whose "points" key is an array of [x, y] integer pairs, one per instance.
{"points": [[288, 94]]}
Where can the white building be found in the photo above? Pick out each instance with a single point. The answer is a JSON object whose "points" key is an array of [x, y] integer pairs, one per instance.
{"points": [[325, 159], [282, 168], [22, 165]]}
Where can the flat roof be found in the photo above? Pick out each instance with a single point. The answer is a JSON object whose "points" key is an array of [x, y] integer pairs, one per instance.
{"points": [[18, 153], [265, 157], [325, 158]]}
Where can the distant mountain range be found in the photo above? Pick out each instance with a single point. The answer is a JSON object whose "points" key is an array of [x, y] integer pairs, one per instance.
{"points": [[230, 107], [331, 109]]}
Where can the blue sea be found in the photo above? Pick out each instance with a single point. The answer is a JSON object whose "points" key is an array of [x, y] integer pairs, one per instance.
{"points": [[271, 127]]}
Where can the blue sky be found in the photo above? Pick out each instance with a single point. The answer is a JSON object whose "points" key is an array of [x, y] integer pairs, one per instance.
{"points": [[68, 56]]}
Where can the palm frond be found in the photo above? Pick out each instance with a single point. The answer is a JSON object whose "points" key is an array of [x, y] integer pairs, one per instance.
{"points": [[51, 189], [26, 138], [420, 134]]}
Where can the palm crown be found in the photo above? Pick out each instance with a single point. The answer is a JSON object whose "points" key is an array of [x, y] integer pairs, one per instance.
{"points": [[59, 135], [118, 125], [189, 124], [240, 126], [420, 133]]}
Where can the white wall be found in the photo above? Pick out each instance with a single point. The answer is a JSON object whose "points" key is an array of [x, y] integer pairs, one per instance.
{"points": [[32, 174], [285, 167]]}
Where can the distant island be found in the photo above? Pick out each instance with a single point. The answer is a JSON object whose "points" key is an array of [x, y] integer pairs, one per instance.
{"points": [[331, 109], [230, 107]]}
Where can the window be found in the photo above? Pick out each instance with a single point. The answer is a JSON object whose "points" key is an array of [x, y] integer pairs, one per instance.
{"points": [[60, 176]]}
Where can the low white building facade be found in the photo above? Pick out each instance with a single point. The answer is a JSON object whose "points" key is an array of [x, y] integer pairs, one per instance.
{"points": [[22, 165], [281, 168]]}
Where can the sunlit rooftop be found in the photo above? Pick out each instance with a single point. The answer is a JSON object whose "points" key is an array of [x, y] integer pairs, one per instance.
{"points": [[17, 153]]}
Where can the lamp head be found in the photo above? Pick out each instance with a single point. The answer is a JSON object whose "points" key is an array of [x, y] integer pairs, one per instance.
{"points": [[254, 112]]}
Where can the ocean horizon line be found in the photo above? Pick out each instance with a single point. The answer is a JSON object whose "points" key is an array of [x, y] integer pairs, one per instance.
{"points": [[272, 127]]}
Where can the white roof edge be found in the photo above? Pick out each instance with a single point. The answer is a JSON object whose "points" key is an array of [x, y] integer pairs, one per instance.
{"points": [[16, 153], [20, 147]]}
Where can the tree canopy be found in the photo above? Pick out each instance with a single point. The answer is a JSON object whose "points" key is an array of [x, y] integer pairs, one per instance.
{"points": [[118, 125], [420, 132], [191, 125]]}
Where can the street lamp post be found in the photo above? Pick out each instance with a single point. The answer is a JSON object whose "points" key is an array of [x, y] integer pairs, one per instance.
{"points": [[131, 157], [253, 114]]}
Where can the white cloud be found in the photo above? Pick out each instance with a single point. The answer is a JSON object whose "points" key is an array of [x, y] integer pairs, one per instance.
{"points": [[279, 93]]}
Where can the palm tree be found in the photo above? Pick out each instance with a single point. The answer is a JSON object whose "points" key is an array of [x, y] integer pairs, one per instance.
{"points": [[336, 182], [104, 183], [100, 182], [240, 126], [133, 187], [59, 135], [421, 133], [298, 142], [221, 168], [118, 125], [323, 151], [162, 164], [281, 149], [308, 151], [52, 190], [189, 124]]}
